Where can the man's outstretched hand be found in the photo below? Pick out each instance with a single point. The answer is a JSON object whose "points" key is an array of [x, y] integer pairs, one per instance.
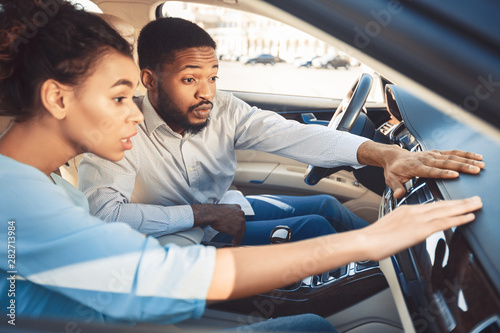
{"points": [[401, 165]]}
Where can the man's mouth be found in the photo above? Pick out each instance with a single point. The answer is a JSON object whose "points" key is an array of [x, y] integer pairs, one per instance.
{"points": [[202, 111]]}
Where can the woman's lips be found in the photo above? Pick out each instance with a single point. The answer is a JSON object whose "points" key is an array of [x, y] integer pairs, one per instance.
{"points": [[127, 143]]}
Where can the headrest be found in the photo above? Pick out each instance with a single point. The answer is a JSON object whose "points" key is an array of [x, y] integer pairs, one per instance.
{"points": [[4, 123], [125, 29]]}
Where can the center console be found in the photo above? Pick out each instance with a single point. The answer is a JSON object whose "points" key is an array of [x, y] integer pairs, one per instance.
{"points": [[323, 294]]}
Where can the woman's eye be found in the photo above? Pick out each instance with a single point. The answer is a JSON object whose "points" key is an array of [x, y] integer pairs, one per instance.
{"points": [[214, 78], [189, 80], [119, 99]]}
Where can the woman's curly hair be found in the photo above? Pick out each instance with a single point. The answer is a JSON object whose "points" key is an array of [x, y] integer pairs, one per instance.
{"points": [[48, 39]]}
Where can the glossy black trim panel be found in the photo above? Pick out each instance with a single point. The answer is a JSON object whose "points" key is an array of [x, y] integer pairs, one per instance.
{"points": [[324, 300]]}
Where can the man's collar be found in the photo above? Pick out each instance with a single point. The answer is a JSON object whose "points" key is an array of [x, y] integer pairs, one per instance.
{"points": [[151, 119]]}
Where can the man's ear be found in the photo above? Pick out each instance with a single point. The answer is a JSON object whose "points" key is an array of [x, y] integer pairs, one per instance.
{"points": [[148, 79], [55, 98]]}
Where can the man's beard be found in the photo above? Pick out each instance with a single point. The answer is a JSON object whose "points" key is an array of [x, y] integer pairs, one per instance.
{"points": [[171, 113]]}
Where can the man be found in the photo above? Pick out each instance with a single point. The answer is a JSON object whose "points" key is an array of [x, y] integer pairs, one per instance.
{"points": [[183, 160]]}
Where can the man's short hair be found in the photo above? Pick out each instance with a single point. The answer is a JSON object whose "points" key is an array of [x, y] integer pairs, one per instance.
{"points": [[159, 40]]}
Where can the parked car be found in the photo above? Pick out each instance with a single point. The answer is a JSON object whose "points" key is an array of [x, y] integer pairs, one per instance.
{"points": [[339, 61], [435, 98], [321, 62], [304, 61], [261, 59], [229, 57], [331, 61]]}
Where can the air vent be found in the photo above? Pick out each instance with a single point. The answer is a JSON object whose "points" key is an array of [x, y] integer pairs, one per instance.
{"points": [[416, 148], [386, 128]]}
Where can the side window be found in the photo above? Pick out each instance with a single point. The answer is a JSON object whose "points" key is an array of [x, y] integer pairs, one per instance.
{"points": [[88, 5], [258, 54]]}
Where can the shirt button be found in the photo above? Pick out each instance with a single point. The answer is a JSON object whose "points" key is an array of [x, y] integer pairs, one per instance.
{"points": [[194, 189], [191, 169]]}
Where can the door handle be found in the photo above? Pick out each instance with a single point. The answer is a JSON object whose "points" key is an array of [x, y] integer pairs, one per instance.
{"points": [[310, 118]]}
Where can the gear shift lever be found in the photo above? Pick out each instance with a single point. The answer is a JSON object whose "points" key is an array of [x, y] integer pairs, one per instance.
{"points": [[280, 234]]}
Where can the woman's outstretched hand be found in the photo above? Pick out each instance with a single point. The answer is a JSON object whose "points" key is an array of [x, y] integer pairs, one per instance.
{"points": [[410, 225]]}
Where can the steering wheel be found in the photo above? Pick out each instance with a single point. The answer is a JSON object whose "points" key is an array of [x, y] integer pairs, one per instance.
{"points": [[343, 120]]}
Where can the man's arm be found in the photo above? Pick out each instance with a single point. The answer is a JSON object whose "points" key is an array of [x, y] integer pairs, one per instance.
{"points": [[269, 132], [109, 186], [325, 147], [401, 165]]}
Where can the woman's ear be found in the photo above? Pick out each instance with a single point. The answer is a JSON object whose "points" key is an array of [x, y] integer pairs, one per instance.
{"points": [[148, 79], [55, 98]]}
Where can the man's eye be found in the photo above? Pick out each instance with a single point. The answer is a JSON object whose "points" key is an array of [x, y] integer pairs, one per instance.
{"points": [[214, 78], [119, 99], [189, 80]]}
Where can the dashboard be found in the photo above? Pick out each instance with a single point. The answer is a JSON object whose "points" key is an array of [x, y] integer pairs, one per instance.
{"points": [[450, 281]]}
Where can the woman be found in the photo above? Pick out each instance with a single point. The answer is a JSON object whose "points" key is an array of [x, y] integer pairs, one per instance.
{"points": [[69, 80]]}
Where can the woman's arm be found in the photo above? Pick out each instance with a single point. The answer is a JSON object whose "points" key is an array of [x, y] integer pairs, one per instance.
{"points": [[245, 271]]}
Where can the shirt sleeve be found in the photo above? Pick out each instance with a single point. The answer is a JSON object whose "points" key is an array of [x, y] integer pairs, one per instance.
{"points": [[108, 187], [311, 144], [62, 248]]}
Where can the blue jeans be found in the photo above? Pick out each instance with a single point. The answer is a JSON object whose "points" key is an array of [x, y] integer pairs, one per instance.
{"points": [[307, 217], [299, 323]]}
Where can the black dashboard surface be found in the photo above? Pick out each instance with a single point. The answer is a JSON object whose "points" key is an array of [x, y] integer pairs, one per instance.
{"points": [[436, 130]]}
